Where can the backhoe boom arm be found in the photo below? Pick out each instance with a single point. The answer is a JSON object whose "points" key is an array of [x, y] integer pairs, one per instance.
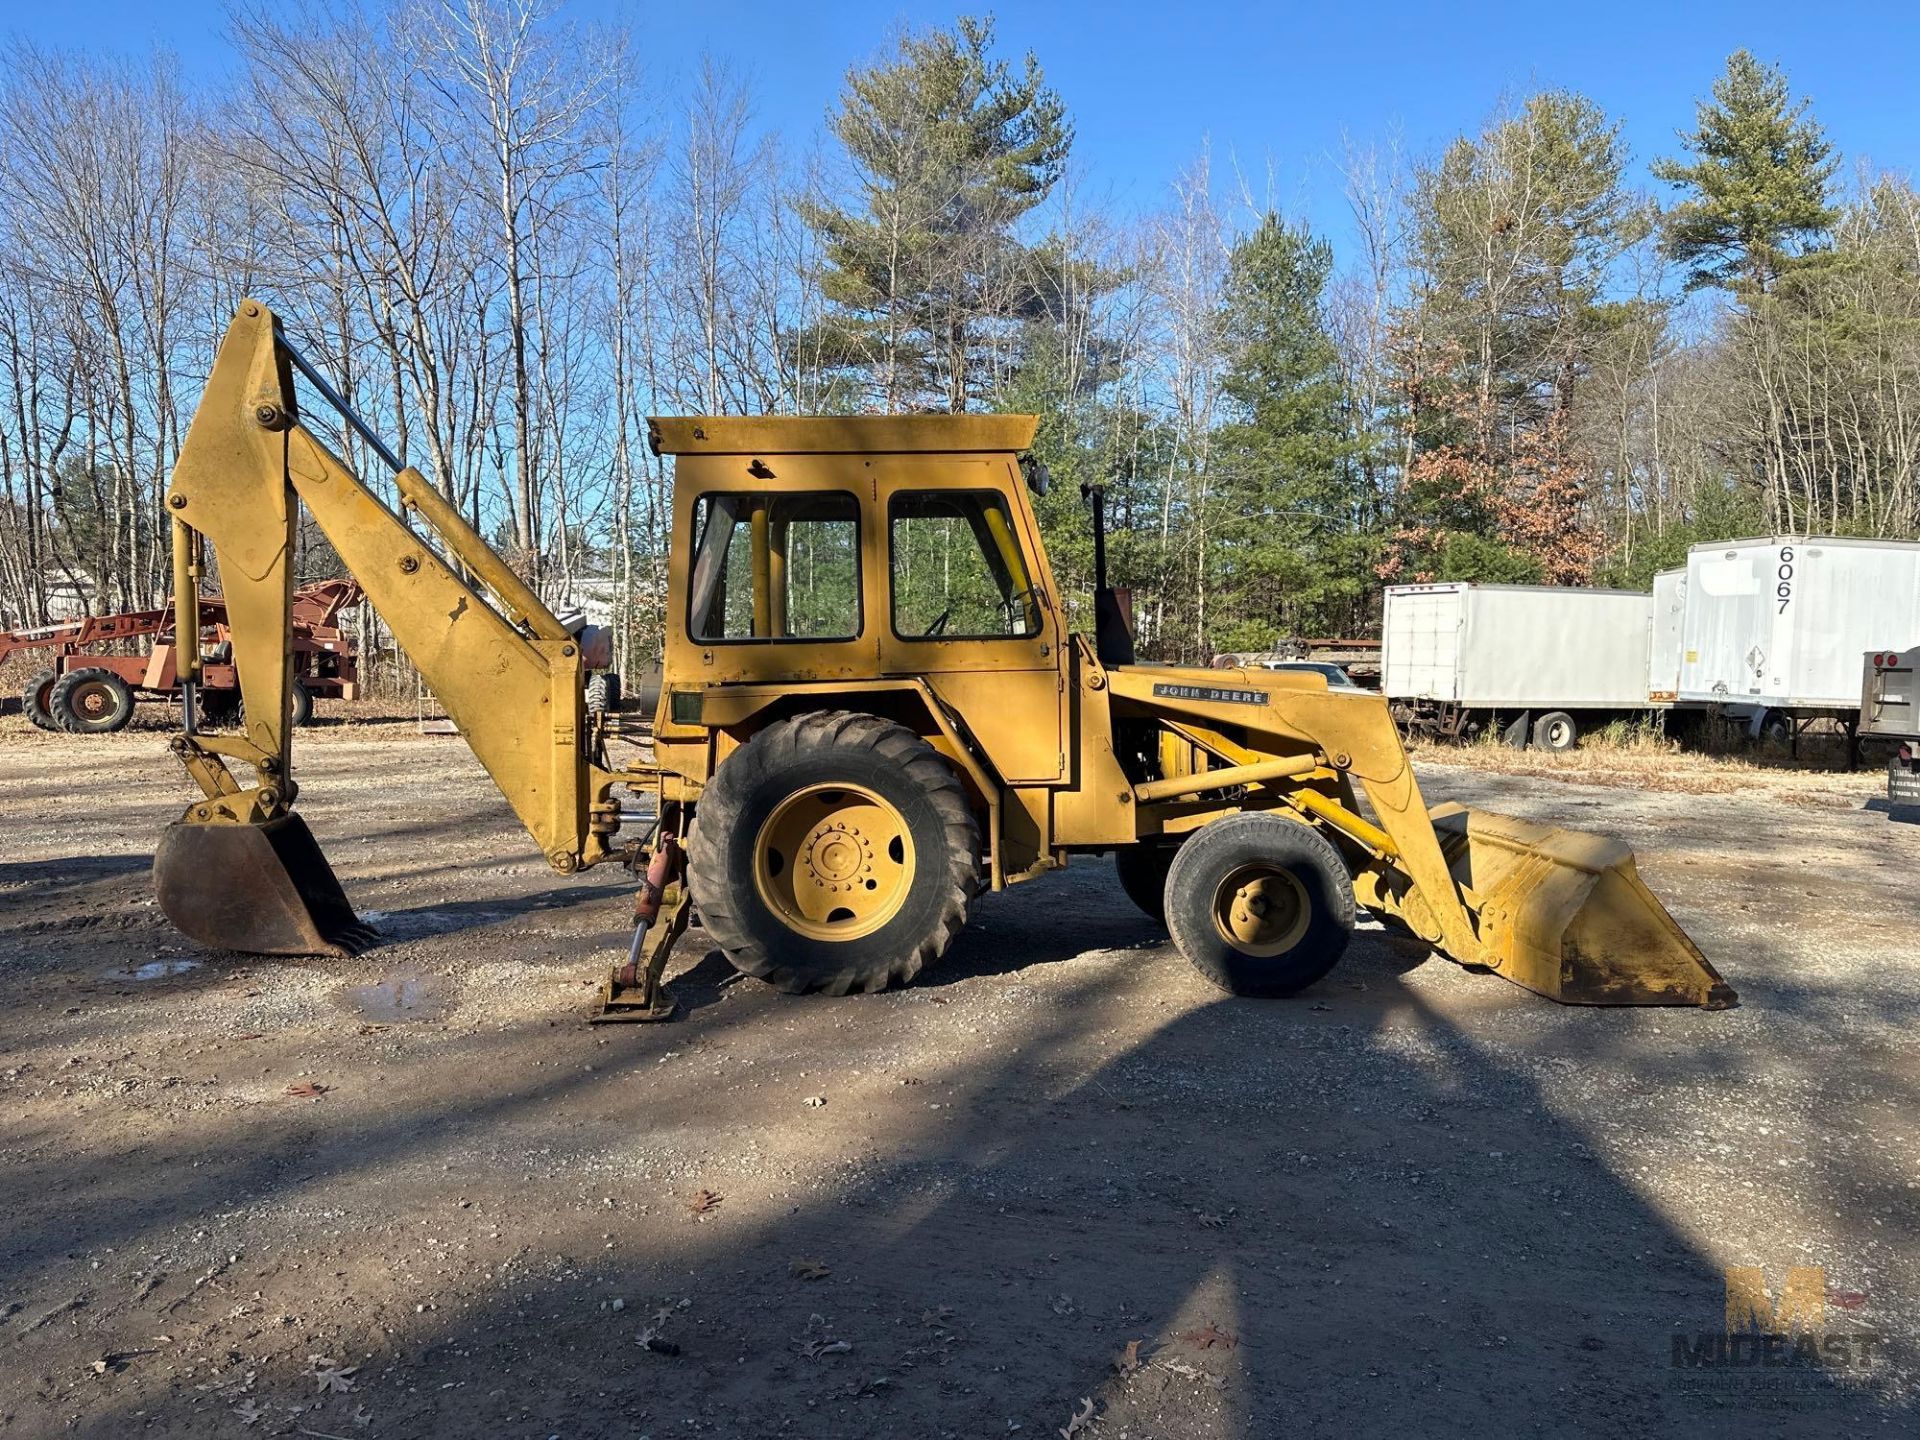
{"points": [[511, 682]]}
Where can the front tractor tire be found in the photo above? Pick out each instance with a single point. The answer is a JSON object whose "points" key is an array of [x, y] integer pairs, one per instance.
{"points": [[1259, 904], [833, 852]]}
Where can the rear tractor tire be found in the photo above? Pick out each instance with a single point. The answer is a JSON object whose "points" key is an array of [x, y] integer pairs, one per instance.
{"points": [[232, 711], [833, 852], [1143, 875], [1259, 904], [91, 702], [603, 692], [35, 698]]}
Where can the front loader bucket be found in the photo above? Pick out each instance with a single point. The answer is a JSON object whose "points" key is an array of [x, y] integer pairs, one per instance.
{"points": [[1565, 913], [262, 889]]}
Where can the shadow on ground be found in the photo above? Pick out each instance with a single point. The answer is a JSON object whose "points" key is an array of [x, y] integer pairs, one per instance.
{"points": [[1338, 1215]]}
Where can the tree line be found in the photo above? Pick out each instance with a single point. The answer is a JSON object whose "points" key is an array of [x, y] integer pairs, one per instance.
{"points": [[510, 243]]}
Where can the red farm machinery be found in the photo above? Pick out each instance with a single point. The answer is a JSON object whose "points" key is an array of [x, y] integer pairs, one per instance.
{"points": [[86, 692]]}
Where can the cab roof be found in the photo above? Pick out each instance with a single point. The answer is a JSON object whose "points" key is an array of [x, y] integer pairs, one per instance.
{"points": [[840, 434]]}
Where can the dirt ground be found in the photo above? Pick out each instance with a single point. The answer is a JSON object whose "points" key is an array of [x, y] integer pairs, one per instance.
{"points": [[1059, 1176]]}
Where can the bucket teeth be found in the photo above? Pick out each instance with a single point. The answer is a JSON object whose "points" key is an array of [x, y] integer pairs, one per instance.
{"points": [[1566, 914], [260, 889]]}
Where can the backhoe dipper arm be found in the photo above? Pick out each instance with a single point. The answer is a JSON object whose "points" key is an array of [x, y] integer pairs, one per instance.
{"points": [[512, 683]]}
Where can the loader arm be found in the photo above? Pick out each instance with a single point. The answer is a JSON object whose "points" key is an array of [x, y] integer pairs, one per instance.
{"points": [[1561, 912], [511, 682]]}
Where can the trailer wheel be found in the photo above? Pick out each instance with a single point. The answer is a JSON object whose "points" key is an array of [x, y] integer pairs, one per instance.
{"points": [[1555, 731], [1259, 904], [833, 852], [1142, 869], [35, 697], [1776, 726], [91, 702]]}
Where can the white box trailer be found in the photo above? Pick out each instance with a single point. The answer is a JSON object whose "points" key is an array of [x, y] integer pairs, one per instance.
{"points": [[1664, 636], [1781, 623], [1544, 662]]}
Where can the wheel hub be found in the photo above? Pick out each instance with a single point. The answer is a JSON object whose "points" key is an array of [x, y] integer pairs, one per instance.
{"points": [[837, 855], [1262, 910]]}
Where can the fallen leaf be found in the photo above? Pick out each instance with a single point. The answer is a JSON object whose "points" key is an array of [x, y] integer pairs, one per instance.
{"points": [[1079, 1420], [936, 1317], [328, 1378], [251, 1412], [362, 1417], [1210, 1222], [814, 1341], [705, 1202], [809, 1270], [1211, 1335], [1062, 1305], [1128, 1360], [814, 1102], [308, 1090]]}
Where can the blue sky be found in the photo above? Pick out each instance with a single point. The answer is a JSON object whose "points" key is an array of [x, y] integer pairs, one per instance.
{"points": [[1274, 86]]}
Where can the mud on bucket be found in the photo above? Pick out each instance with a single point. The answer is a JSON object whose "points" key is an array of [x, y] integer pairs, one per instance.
{"points": [[261, 889]]}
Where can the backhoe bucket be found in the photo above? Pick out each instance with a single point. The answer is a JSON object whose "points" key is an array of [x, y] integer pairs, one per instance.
{"points": [[1565, 913], [262, 889]]}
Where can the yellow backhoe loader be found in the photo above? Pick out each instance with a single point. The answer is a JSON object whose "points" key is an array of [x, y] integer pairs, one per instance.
{"points": [[872, 711]]}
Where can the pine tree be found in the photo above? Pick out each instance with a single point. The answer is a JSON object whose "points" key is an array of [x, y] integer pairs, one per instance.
{"points": [[950, 147], [1285, 477], [1758, 183]]}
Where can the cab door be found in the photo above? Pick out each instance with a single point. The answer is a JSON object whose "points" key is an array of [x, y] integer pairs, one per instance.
{"points": [[967, 608]]}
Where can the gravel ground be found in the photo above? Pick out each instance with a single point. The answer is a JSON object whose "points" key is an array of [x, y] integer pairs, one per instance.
{"points": [[1060, 1175]]}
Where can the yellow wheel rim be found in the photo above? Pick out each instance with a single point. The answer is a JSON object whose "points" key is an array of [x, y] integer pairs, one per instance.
{"points": [[834, 862], [1262, 910]]}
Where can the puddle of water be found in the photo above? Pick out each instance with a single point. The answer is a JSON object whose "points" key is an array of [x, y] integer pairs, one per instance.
{"points": [[153, 970], [397, 1001]]}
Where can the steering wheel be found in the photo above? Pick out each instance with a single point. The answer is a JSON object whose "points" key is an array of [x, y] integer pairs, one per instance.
{"points": [[939, 626]]}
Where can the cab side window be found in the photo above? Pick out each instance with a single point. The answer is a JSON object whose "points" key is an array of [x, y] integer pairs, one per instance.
{"points": [[775, 567], [957, 568]]}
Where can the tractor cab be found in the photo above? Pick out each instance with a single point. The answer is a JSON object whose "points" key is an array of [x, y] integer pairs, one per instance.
{"points": [[893, 552]]}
